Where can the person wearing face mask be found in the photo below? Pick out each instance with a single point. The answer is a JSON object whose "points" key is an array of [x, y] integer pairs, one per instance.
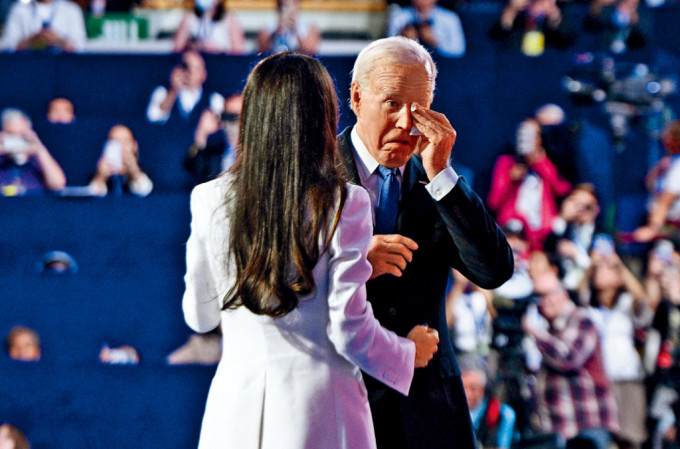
{"points": [[526, 186], [56, 25], [290, 32], [210, 28]]}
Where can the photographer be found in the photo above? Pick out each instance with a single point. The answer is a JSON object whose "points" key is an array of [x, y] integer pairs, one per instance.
{"points": [[436, 28], [532, 25], [56, 25], [26, 167], [215, 140], [119, 165], [526, 185], [184, 99], [290, 32]]}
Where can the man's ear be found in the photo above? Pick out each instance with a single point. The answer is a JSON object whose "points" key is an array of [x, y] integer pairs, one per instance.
{"points": [[355, 98]]}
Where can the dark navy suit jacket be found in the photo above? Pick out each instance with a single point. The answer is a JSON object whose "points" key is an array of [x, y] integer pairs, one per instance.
{"points": [[457, 232]]}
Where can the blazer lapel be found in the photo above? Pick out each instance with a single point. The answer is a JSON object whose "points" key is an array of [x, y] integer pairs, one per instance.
{"points": [[346, 162]]}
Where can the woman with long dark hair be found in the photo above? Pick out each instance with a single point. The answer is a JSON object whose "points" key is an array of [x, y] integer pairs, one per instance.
{"points": [[277, 256]]}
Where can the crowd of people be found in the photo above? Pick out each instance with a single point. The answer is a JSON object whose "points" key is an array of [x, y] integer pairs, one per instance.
{"points": [[528, 25], [578, 345]]}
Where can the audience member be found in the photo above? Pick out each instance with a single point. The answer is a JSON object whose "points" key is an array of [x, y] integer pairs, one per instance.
{"points": [[526, 186], [572, 233], [290, 32], [519, 286], [574, 397], [26, 166], [618, 307], [23, 343], [559, 135], [184, 99], [618, 24], [121, 355], [493, 421], [58, 263], [61, 111], [119, 166], [663, 183], [532, 25], [56, 25], [12, 438], [436, 28], [469, 312], [215, 141], [662, 350], [210, 28]]}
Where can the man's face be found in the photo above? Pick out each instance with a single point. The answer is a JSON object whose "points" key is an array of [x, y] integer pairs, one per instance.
{"points": [[586, 206], [25, 348], [553, 297], [123, 135], [383, 110], [195, 69], [473, 384]]}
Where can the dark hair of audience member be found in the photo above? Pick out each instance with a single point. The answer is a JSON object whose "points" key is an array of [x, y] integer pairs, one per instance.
{"points": [[17, 436], [285, 182]]}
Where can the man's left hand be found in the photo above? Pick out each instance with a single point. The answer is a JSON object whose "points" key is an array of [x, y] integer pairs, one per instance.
{"points": [[436, 143]]}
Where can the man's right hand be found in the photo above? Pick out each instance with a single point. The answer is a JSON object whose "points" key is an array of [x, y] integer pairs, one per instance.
{"points": [[426, 340], [389, 254]]}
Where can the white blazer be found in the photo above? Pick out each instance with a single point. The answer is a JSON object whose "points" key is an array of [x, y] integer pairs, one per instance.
{"points": [[292, 382]]}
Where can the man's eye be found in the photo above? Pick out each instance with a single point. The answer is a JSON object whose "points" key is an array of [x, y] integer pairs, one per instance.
{"points": [[392, 103]]}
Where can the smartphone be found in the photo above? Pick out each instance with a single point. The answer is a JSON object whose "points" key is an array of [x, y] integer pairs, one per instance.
{"points": [[13, 143], [113, 155]]}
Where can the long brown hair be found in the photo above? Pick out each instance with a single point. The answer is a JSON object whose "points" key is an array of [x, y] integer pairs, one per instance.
{"points": [[285, 183]]}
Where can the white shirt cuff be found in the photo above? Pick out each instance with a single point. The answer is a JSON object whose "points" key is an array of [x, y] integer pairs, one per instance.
{"points": [[442, 184]]}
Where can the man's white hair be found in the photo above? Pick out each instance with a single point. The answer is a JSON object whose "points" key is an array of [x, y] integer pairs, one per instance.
{"points": [[11, 114], [396, 50]]}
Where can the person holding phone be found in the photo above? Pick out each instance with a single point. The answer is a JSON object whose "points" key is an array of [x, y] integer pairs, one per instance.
{"points": [[618, 305], [291, 32], [56, 25], [26, 166], [118, 166]]}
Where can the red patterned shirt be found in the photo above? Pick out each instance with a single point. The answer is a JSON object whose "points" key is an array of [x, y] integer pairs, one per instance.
{"points": [[573, 391]]}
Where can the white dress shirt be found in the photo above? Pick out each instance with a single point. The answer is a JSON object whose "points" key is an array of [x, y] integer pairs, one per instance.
{"points": [[371, 180]]}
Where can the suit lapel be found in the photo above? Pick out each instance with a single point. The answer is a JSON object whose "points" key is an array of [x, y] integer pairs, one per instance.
{"points": [[347, 164]]}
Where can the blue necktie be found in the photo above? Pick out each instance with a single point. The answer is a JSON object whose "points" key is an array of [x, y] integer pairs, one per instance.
{"points": [[388, 202]]}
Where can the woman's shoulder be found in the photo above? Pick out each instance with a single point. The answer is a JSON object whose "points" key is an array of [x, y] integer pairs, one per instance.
{"points": [[212, 191]]}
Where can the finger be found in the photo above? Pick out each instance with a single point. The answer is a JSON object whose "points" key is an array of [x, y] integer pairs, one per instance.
{"points": [[401, 239], [397, 261]]}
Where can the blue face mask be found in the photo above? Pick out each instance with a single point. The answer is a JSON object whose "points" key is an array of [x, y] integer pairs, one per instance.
{"points": [[204, 5]]}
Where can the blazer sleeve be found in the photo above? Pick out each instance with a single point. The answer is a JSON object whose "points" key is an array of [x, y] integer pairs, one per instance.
{"points": [[200, 304], [482, 253], [354, 331]]}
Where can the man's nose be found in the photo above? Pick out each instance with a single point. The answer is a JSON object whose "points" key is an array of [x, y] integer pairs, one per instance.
{"points": [[404, 120]]}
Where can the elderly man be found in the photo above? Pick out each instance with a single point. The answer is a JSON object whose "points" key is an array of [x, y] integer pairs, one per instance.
{"points": [[26, 166], [427, 220], [573, 393]]}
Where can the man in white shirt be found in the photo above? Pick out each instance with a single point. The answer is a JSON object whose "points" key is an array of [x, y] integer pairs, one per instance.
{"points": [[45, 24], [185, 97], [434, 27]]}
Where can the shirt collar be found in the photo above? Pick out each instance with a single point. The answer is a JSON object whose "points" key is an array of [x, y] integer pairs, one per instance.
{"points": [[366, 163]]}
